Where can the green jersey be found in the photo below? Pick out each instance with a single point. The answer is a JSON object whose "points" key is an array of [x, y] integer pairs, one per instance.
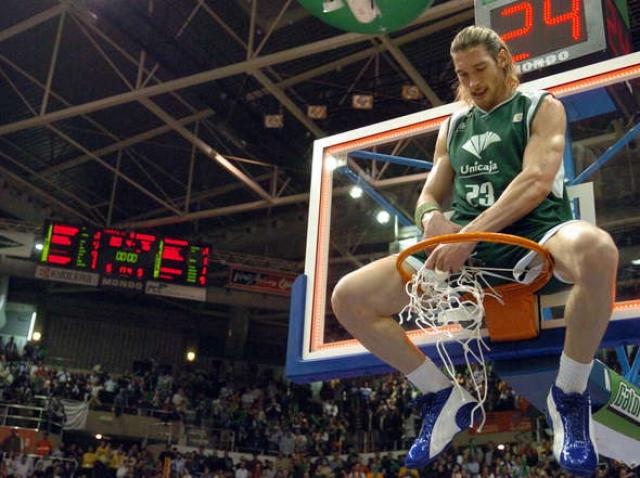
{"points": [[486, 151]]}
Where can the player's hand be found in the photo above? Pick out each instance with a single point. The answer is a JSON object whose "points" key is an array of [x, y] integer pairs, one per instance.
{"points": [[435, 224], [450, 257]]}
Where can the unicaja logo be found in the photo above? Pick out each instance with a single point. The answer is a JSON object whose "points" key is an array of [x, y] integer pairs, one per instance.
{"points": [[478, 143], [627, 403], [479, 168]]}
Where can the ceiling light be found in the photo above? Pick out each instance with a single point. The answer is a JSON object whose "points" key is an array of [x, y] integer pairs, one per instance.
{"points": [[500, 447], [332, 163], [355, 192], [383, 217], [39, 246], [636, 262], [191, 356]]}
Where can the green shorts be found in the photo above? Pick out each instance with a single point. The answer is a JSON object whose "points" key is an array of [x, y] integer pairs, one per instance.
{"points": [[519, 259]]}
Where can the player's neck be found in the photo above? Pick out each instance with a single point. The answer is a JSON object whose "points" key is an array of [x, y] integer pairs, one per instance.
{"points": [[504, 94]]}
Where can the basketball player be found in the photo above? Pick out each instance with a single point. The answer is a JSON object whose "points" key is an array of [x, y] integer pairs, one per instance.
{"points": [[499, 161]]}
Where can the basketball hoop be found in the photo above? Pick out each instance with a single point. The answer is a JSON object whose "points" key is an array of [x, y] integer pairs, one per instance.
{"points": [[455, 306]]}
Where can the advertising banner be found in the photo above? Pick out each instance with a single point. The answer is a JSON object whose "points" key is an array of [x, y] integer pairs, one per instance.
{"points": [[260, 280]]}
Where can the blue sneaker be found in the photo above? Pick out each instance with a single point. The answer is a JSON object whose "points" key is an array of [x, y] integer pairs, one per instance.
{"points": [[574, 446], [444, 415]]}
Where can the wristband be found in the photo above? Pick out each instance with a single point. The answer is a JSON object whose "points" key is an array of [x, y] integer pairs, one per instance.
{"points": [[422, 209]]}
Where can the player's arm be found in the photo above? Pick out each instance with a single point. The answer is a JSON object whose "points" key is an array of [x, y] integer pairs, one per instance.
{"points": [[438, 186], [541, 162]]}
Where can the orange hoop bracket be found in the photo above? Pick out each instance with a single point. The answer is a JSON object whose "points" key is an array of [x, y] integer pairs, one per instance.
{"points": [[516, 318]]}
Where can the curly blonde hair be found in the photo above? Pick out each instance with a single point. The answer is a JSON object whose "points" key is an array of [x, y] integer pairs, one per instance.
{"points": [[473, 36]]}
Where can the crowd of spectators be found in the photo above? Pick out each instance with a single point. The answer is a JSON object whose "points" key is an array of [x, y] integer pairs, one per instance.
{"points": [[311, 431], [517, 460], [255, 407]]}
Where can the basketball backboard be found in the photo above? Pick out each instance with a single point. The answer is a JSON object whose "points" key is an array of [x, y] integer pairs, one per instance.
{"points": [[343, 233]]}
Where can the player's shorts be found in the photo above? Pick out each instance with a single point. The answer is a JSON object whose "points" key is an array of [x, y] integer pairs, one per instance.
{"points": [[522, 261]]}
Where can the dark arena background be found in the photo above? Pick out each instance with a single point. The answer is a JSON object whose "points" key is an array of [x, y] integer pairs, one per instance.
{"points": [[170, 236]]}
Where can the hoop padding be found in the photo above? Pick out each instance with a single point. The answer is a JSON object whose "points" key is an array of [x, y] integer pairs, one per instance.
{"points": [[511, 310]]}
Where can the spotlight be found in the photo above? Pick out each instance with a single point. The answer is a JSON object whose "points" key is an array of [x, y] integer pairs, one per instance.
{"points": [[39, 246], [636, 262], [355, 192], [191, 356], [500, 447], [98, 437], [36, 336], [332, 163], [383, 217]]}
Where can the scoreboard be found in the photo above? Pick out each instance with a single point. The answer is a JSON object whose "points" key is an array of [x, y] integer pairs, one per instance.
{"points": [[542, 33], [124, 259]]}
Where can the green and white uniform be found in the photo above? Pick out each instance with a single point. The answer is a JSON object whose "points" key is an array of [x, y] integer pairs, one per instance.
{"points": [[486, 151]]}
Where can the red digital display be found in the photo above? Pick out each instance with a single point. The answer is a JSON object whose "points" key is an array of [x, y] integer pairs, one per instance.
{"points": [[542, 33], [181, 261], [126, 255], [68, 246], [534, 27]]}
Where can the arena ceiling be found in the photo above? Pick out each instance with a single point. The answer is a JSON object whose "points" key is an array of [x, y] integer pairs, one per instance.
{"points": [[150, 113]]}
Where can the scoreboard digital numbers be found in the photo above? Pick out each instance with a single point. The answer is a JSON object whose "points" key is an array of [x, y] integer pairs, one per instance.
{"points": [[125, 259], [542, 33]]}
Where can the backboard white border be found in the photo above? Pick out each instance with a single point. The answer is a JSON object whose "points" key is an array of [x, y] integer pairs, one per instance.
{"points": [[337, 146]]}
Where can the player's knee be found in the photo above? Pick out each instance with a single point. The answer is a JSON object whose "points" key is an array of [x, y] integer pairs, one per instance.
{"points": [[345, 301], [598, 254]]}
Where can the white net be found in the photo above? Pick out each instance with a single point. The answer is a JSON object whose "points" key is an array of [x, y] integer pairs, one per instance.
{"points": [[452, 307]]}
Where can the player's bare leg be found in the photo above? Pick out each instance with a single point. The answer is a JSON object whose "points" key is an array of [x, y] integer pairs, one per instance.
{"points": [[364, 302], [588, 257]]}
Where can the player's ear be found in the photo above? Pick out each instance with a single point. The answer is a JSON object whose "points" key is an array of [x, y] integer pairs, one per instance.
{"points": [[503, 58]]}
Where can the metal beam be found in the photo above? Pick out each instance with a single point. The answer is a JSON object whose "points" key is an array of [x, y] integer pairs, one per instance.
{"points": [[61, 99], [192, 163], [202, 77], [465, 15], [18, 204], [274, 24], [125, 143], [410, 70], [257, 205], [74, 143], [46, 196], [124, 177], [184, 132], [52, 66], [288, 104], [200, 196], [114, 185], [205, 148], [31, 22], [83, 16], [252, 28], [21, 165]]}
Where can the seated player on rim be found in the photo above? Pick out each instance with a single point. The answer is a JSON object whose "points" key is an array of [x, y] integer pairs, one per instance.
{"points": [[499, 160]]}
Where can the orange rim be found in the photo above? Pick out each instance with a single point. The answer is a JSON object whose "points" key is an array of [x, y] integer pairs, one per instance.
{"points": [[495, 237]]}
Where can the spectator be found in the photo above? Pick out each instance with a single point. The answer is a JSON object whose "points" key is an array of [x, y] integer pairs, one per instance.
{"points": [[286, 446], [23, 466], [44, 446], [13, 443], [241, 471]]}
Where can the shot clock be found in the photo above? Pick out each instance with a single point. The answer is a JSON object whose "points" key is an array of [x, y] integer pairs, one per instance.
{"points": [[125, 259], [543, 33]]}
